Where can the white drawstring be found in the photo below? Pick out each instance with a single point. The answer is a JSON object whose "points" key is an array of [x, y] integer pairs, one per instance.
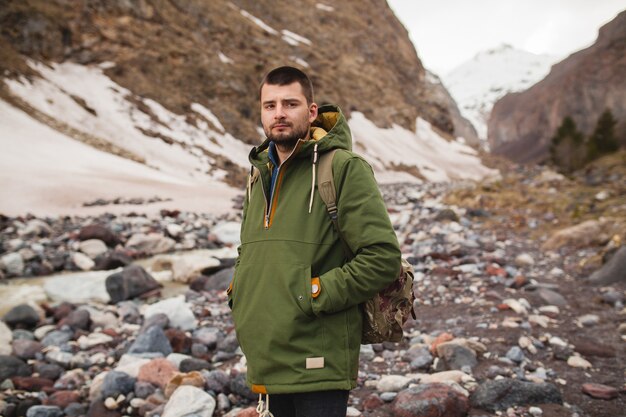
{"points": [[264, 408], [313, 177]]}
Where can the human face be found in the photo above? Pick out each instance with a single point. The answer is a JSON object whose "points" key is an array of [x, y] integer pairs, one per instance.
{"points": [[285, 114]]}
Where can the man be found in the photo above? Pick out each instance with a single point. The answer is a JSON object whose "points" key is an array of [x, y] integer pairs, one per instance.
{"points": [[295, 296]]}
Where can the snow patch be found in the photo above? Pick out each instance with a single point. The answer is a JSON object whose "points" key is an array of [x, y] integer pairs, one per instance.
{"points": [[224, 58], [294, 39], [258, 22], [299, 61], [437, 159], [324, 7]]}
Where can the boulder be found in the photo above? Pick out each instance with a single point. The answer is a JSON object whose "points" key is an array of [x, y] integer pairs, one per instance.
{"points": [[613, 271], [504, 393], [151, 340], [96, 231], [22, 316], [585, 234], [78, 288], [11, 366], [188, 400], [430, 400], [151, 243], [131, 282], [177, 310]]}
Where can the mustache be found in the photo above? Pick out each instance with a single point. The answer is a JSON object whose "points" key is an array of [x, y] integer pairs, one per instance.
{"points": [[281, 122]]}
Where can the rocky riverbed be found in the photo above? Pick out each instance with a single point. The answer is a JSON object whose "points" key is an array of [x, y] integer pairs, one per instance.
{"points": [[511, 320]]}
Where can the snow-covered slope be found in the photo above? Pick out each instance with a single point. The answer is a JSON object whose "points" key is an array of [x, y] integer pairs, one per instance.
{"points": [[183, 159], [477, 84]]}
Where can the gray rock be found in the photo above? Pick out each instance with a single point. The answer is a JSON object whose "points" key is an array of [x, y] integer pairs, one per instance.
{"points": [[419, 357], [11, 366], [552, 297], [504, 393], [116, 383], [208, 336], [193, 364], [229, 344], [515, 354], [44, 411], [159, 319], [49, 370], [131, 282], [75, 410], [456, 356], [152, 340], [144, 389], [22, 315], [151, 244], [23, 334], [219, 281], [36, 227], [388, 396], [57, 338], [238, 386], [13, 264], [216, 381], [613, 271], [129, 313], [189, 401], [63, 359]]}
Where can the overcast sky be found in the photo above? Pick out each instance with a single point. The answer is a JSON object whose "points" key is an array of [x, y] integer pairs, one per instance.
{"points": [[447, 33]]}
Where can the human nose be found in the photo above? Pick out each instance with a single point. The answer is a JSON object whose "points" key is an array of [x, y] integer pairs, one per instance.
{"points": [[279, 112]]}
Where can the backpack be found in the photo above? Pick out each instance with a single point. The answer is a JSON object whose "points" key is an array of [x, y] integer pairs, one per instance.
{"points": [[383, 315]]}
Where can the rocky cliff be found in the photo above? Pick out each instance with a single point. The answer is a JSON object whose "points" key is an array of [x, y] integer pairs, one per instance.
{"points": [[582, 86], [215, 53]]}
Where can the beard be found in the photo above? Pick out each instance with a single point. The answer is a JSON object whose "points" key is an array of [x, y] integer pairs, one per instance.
{"points": [[289, 139]]}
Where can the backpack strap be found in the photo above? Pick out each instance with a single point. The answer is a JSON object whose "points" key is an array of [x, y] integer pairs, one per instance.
{"points": [[328, 194]]}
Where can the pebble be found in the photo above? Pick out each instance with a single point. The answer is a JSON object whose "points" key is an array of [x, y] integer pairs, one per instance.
{"points": [[515, 354], [578, 362], [188, 400], [392, 383], [600, 391], [589, 320]]}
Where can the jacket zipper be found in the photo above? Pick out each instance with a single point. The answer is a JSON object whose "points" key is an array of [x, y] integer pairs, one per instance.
{"points": [[268, 207]]}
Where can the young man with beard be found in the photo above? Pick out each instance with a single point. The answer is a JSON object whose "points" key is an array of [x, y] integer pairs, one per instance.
{"points": [[295, 295]]}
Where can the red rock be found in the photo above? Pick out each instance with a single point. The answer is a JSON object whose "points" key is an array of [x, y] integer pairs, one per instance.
{"points": [[62, 311], [181, 343], [372, 402], [519, 281], [63, 398], [157, 372], [442, 338], [31, 383], [493, 270], [430, 400], [97, 409], [603, 392], [248, 412]]}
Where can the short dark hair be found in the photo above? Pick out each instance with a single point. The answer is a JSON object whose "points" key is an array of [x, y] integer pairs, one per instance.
{"points": [[287, 75]]}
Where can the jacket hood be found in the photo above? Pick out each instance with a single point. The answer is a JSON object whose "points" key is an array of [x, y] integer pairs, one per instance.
{"points": [[329, 131]]}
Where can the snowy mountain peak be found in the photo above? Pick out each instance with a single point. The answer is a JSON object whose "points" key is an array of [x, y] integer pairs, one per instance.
{"points": [[478, 83]]}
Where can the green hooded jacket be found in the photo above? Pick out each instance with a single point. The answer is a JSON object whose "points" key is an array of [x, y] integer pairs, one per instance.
{"points": [[296, 340]]}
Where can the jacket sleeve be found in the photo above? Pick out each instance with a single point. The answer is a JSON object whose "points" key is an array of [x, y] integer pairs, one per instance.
{"points": [[365, 225]]}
